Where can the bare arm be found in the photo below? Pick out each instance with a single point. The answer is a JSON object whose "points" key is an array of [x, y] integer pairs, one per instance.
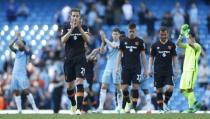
{"points": [[143, 59], [119, 56], [102, 48], [93, 54], [103, 37], [151, 60], [17, 38], [65, 38], [111, 44], [11, 45], [85, 35], [175, 64]]}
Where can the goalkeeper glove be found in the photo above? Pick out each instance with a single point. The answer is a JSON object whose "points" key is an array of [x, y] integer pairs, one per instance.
{"points": [[185, 29]]}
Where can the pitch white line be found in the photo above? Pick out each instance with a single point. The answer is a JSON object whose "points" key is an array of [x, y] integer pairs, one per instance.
{"points": [[104, 112]]}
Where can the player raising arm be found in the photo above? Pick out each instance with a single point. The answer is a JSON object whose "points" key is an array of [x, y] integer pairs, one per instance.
{"points": [[20, 82], [112, 49], [75, 35], [190, 69]]}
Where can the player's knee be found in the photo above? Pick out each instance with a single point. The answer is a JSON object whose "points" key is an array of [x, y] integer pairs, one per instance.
{"points": [[135, 86], [124, 87], [170, 88], [119, 90], [159, 90], [104, 86], [25, 91], [118, 87], [16, 92], [70, 85], [91, 93], [79, 81]]}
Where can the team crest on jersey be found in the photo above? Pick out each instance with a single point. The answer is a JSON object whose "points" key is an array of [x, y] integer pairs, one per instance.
{"points": [[75, 37], [158, 48], [136, 43], [164, 54], [169, 47], [125, 43]]}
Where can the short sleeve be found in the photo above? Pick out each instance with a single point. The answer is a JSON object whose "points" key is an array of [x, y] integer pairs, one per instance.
{"points": [[85, 28], [142, 45], [13, 49], [28, 52], [198, 50], [64, 29], [197, 46], [121, 47], [174, 50]]}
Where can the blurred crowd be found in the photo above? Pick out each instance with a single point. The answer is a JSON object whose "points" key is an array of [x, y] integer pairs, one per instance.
{"points": [[45, 70]]}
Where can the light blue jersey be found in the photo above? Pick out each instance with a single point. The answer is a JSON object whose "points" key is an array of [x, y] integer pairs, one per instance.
{"points": [[112, 56], [109, 71], [19, 73], [21, 61]]}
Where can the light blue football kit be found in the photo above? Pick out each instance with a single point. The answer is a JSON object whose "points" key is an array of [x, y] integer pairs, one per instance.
{"points": [[109, 71], [19, 73]]}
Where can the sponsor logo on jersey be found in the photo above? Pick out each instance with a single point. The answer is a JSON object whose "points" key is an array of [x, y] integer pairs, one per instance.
{"points": [[164, 53], [131, 48]]}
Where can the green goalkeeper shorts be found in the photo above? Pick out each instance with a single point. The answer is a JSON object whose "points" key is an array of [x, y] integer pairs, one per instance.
{"points": [[188, 80]]}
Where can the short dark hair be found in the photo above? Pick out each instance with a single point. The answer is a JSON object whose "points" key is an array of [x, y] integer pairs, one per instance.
{"points": [[163, 29], [132, 26], [75, 10], [192, 34], [122, 32], [116, 30]]}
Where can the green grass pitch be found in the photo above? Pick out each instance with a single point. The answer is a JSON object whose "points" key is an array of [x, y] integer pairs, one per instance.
{"points": [[105, 116]]}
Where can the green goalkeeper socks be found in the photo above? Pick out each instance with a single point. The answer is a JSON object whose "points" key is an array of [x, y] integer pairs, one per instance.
{"points": [[185, 94], [191, 99]]}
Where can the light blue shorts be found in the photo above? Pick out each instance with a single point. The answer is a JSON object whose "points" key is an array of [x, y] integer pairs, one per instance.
{"points": [[144, 83], [85, 84], [110, 76], [19, 82]]}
